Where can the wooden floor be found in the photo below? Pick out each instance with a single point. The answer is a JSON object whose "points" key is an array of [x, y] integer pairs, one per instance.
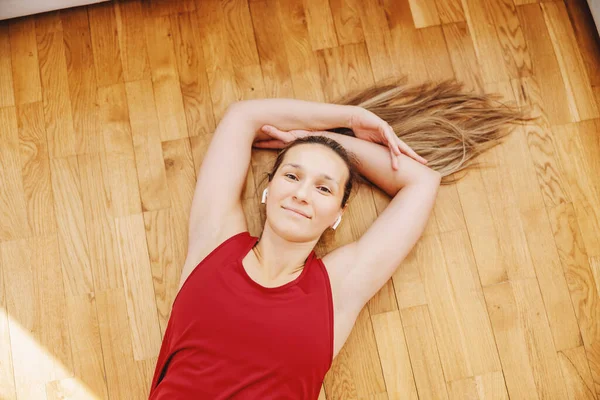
{"points": [[106, 112]]}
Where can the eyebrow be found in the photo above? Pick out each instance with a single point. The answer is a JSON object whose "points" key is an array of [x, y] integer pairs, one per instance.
{"points": [[323, 175]]}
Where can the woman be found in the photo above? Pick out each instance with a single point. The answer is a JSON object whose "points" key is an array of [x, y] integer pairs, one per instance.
{"points": [[263, 317]]}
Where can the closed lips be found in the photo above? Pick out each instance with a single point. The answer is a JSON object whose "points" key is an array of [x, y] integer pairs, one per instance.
{"points": [[299, 212]]}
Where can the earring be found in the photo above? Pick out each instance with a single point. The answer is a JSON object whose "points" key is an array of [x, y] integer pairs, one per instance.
{"points": [[337, 222], [264, 196]]}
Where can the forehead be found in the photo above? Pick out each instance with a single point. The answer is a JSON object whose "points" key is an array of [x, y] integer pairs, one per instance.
{"points": [[316, 160]]}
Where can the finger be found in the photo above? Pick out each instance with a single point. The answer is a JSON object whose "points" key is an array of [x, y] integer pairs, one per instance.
{"points": [[410, 152], [393, 139], [394, 160]]}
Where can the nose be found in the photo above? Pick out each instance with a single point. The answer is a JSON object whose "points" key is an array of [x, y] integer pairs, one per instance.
{"points": [[302, 192]]}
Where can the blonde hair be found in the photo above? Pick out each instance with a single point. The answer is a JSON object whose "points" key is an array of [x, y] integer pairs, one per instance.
{"points": [[441, 122]]}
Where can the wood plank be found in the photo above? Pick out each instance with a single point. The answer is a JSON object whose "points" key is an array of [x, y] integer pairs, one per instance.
{"points": [[344, 69], [132, 40], [462, 55], [461, 353], [165, 273], [82, 84], [88, 363], [580, 97], [48, 22], [406, 48], [530, 365], [62, 140], [219, 66], [491, 264], [68, 388], [485, 41], [124, 376], [434, 52], [35, 169], [147, 146], [544, 64], [588, 40], [319, 22], [7, 374], [14, 220], [7, 96], [588, 135], [242, 46], [551, 277], [460, 281], [271, 50], [165, 79], [72, 237], [192, 74], [378, 40], [424, 13], [303, 64], [541, 143], [25, 69], [450, 11], [360, 363], [181, 179], [113, 119], [423, 351], [485, 386], [138, 286], [502, 200], [105, 44], [585, 199], [514, 49], [577, 374], [586, 300], [161, 8], [39, 333], [408, 284], [98, 200], [346, 17], [395, 362]]}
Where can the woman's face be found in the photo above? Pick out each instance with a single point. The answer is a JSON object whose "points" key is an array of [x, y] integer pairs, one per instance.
{"points": [[313, 185]]}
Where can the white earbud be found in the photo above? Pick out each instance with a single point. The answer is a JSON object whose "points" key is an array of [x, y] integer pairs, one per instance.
{"points": [[264, 196], [337, 222]]}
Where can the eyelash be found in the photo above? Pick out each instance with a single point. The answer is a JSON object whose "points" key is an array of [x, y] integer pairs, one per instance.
{"points": [[328, 191]]}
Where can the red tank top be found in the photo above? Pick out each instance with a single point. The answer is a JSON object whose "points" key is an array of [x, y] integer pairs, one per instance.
{"points": [[228, 337]]}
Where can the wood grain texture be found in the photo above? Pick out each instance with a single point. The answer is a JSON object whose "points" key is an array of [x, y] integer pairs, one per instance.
{"points": [[7, 93], [14, 219], [105, 42], [24, 61], [107, 112], [35, 169], [579, 92]]}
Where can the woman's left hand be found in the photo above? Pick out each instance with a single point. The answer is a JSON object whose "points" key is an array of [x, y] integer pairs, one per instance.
{"points": [[368, 126]]}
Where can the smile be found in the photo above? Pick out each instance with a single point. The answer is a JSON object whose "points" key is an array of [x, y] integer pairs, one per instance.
{"points": [[296, 213]]}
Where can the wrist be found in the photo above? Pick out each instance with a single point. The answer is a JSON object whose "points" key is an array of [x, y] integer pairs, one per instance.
{"points": [[352, 114]]}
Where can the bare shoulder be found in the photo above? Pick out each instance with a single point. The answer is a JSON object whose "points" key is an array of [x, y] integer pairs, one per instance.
{"points": [[203, 242]]}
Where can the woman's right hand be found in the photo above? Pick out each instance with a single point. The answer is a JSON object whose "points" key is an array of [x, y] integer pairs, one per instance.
{"points": [[279, 139]]}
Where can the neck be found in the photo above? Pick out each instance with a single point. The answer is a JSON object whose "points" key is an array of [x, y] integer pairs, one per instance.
{"points": [[280, 258]]}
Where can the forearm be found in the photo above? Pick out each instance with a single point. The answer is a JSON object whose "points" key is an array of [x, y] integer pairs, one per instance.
{"points": [[375, 165], [288, 114]]}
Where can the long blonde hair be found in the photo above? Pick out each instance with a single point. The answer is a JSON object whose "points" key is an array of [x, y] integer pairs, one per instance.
{"points": [[444, 124]]}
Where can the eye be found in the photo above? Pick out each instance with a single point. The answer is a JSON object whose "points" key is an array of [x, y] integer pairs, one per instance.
{"points": [[290, 175], [328, 191]]}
